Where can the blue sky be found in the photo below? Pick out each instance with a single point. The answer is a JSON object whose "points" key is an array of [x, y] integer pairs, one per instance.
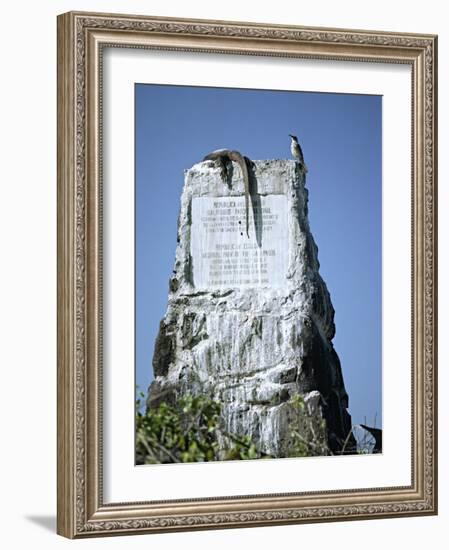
{"points": [[341, 137]]}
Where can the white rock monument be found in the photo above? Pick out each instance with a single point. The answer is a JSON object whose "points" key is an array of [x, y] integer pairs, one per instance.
{"points": [[249, 319]]}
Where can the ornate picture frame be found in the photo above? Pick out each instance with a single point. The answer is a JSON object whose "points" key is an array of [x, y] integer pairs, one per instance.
{"points": [[82, 40]]}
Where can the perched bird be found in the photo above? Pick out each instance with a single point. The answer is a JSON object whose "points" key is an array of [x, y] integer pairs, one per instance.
{"points": [[296, 150]]}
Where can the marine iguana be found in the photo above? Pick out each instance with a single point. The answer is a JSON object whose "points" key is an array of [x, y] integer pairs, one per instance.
{"points": [[223, 156]]}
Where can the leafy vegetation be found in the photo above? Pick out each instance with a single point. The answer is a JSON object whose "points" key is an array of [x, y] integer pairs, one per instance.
{"points": [[306, 437], [189, 431], [192, 430]]}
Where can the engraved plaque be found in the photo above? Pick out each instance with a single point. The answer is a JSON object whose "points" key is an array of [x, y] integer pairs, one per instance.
{"points": [[225, 256]]}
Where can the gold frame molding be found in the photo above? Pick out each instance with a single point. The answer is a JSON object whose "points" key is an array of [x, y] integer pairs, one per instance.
{"points": [[81, 38]]}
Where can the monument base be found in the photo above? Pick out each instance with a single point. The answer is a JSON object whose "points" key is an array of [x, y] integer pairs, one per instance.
{"points": [[249, 320]]}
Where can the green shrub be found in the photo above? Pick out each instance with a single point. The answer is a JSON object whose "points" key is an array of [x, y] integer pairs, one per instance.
{"points": [[192, 430], [308, 435], [188, 431]]}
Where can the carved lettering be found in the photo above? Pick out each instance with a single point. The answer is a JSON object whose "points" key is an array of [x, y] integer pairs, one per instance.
{"points": [[222, 253]]}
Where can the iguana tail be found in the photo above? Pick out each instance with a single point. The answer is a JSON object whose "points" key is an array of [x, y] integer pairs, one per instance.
{"points": [[237, 157], [221, 155]]}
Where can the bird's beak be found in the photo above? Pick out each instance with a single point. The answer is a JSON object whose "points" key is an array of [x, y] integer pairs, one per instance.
{"points": [[290, 135]]}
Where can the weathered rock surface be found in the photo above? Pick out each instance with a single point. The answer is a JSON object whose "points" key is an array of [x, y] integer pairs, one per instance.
{"points": [[249, 319]]}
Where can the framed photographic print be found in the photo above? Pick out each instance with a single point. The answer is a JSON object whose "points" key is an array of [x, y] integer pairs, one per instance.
{"points": [[246, 274]]}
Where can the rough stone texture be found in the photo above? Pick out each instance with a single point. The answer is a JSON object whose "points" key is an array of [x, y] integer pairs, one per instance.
{"points": [[253, 348]]}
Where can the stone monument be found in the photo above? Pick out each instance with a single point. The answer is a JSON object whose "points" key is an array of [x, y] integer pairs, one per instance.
{"points": [[249, 320]]}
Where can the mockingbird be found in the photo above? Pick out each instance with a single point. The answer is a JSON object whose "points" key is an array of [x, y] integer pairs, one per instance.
{"points": [[296, 150]]}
